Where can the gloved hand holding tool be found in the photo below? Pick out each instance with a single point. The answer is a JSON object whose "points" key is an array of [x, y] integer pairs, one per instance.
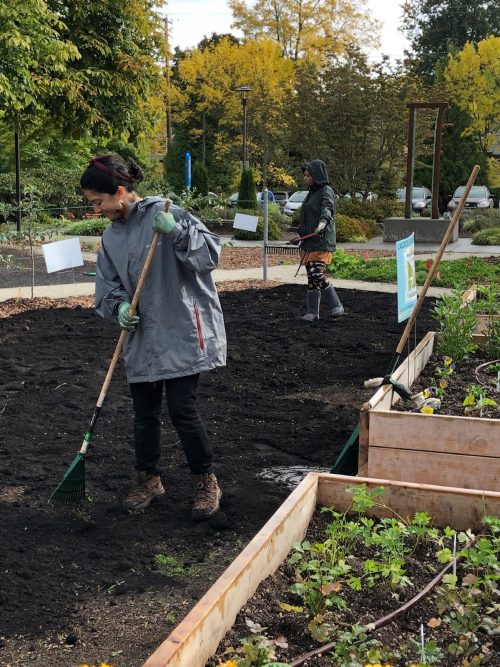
{"points": [[320, 227], [127, 321], [164, 222], [72, 487], [298, 239]]}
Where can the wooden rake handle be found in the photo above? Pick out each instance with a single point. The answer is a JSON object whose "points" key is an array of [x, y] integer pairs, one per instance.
{"points": [[437, 259], [131, 311]]}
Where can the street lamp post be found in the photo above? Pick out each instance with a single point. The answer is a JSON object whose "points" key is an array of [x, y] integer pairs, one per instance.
{"points": [[244, 90]]}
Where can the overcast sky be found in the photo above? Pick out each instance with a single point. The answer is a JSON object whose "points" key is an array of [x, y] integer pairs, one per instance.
{"points": [[191, 20]]}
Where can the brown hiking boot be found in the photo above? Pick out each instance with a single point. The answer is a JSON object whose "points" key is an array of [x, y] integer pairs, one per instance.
{"points": [[148, 486], [207, 495]]}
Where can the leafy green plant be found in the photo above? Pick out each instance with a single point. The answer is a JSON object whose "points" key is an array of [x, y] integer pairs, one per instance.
{"points": [[342, 262], [489, 304], [476, 400], [456, 325], [257, 650], [168, 565]]}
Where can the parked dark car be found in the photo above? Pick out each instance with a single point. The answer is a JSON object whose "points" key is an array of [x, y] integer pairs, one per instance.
{"points": [[421, 198]]}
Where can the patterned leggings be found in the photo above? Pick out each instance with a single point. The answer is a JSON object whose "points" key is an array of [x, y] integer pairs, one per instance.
{"points": [[316, 279]]}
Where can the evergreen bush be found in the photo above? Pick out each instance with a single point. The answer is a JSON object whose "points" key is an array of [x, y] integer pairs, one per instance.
{"points": [[247, 195], [199, 178]]}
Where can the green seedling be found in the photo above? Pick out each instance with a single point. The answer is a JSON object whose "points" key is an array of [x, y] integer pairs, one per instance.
{"points": [[476, 400]]}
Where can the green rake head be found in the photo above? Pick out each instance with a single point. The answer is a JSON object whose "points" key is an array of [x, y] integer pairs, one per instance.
{"points": [[72, 487]]}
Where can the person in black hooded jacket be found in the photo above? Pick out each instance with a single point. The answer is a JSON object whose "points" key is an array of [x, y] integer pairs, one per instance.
{"points": [[317, 216]]}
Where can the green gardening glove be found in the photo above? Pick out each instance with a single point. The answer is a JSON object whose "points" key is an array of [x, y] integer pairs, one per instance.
{"points": [[164, 222], [127, 322]]}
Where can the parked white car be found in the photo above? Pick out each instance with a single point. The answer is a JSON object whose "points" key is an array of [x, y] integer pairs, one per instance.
{"points": [[478, 197], [295, 202]]}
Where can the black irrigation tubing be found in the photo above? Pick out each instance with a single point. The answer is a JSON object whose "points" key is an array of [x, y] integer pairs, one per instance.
{"points": [[385, 620], [481, 366]]}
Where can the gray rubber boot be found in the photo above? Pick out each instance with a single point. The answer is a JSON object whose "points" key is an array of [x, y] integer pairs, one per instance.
{"points": [[313, 299], [336, 308]]}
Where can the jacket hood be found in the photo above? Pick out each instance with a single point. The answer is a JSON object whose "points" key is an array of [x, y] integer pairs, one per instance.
{"points": [[317, 169]]}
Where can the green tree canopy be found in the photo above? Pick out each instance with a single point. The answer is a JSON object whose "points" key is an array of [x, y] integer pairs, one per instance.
{"points": [[436, 27], [34, 57], [121, 45]]}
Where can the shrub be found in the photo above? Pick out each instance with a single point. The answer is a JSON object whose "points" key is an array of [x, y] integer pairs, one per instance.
{"points": [[274, 232], [247, 195], [456, 326], [481, 219], [91, 227], [349, 229], [375, 210], [489, 236]]}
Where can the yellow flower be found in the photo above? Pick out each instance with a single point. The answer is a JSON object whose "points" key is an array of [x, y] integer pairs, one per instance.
{"points": [[228, 663], [443, 384], [447, 361], [427, 410], [427, 393]]}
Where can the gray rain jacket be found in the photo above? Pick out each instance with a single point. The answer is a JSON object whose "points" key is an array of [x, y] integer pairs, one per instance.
{"points": [[181, 331]]}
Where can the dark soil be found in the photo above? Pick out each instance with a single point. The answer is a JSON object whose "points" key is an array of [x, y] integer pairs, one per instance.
{"points": [[288, 630], [459, 382], [16, 269], [82, 584]]}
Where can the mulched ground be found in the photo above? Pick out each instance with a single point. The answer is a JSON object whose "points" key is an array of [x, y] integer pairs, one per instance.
{"points": [[83, 584]]}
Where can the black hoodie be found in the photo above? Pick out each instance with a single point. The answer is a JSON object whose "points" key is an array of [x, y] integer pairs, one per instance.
{"points": [[319, 205]]}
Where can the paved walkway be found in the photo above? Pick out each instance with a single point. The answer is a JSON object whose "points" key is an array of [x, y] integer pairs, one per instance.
{"points": [[284, 273]]}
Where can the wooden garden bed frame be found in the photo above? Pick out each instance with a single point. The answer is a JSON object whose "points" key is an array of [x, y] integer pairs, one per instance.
{"points": [[196, 638], [429, 449]]}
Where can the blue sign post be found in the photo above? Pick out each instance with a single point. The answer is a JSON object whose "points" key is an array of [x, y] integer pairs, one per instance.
{"points": [[407, 280], [187, 170]]}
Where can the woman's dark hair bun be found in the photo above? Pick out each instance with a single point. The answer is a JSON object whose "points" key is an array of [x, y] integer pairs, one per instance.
{"points": [[136, 173]]}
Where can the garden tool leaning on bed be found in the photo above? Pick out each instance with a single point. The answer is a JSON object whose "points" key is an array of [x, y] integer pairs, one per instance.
{"points": [[72, 487], [347, 462]]}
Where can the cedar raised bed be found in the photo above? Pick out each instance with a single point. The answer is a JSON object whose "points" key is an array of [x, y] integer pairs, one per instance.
{"points": [[196, 638], [434, 449]]}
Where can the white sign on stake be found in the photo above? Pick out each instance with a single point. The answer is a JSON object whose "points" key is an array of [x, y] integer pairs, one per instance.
{"points": [[62, 255], [246, 222]]}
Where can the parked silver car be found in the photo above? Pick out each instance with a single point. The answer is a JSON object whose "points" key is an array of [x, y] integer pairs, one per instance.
{"points": [[478, 197], [421, 198], [295, 202]]}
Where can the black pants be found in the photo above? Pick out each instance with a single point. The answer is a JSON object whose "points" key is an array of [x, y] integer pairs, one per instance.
{"points": [[183, 411]]}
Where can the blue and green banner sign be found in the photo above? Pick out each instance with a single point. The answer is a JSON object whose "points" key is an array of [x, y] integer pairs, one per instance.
{"points": [[407, 282]]}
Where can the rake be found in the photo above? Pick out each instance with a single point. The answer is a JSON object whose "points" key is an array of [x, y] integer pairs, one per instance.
{"points": [[72, 487], [347, 461]]}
